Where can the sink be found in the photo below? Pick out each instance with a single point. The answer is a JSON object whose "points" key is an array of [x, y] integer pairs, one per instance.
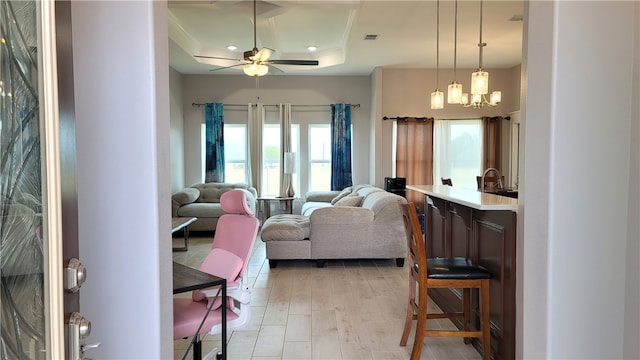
{"points": [[512, 193]]}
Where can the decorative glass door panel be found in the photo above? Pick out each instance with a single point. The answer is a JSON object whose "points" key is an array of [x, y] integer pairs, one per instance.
{"points": [[27, 300]]}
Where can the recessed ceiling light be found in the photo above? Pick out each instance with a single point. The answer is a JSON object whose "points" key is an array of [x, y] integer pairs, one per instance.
{"points": [[312, 48], [232, 47]]}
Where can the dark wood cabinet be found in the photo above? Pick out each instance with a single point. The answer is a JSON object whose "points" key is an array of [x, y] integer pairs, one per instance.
{"points": [[489, 238]]}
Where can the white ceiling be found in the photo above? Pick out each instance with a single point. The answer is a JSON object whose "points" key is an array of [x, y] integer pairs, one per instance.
{"points": [[406, 33]]}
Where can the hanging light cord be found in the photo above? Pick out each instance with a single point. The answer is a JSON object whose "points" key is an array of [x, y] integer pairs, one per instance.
{"points": [[481, 45], [455, 41], [255, 40], [437, 44]]}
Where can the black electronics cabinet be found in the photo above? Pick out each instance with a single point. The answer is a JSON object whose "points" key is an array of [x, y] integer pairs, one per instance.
{"points": [[397, 186]]}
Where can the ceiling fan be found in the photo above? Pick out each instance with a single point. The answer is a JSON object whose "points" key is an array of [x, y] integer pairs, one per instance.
{"points": [[256, 62]]}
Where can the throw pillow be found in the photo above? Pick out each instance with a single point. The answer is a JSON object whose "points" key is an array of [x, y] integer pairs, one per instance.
{"points": [[352, 200], [345, 192]]}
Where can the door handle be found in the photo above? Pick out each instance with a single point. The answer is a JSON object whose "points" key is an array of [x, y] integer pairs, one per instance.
{"points": [[77, 329]]}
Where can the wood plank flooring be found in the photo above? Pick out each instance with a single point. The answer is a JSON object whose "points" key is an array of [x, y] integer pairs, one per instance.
{"points": [[348, 310]]}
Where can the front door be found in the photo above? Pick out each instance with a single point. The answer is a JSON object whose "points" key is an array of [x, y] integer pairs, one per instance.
{"points": [[41, 275]]}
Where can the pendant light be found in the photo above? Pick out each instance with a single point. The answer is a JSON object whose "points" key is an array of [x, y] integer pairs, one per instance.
{"points": [[454, 92], [437, 98], [480, 81]]}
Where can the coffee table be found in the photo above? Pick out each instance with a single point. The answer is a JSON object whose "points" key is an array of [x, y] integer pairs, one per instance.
{"points": [[182, 223]]}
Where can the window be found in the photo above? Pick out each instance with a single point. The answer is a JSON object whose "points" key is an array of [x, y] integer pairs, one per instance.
{"points": [[319, 157], [457, 151], [235, 152]]}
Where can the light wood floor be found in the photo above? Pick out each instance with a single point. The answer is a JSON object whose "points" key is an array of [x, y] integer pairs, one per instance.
{"points": [[347, 310]]}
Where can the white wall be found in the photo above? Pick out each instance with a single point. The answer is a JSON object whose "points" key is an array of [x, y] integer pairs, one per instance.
{"points": [[632, 298], [177, 130], [575, 300], [122, 118], [297, 90]]}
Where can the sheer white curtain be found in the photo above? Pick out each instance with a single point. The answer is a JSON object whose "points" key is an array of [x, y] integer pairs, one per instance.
{"points": [[285, 145], [457, 151], [440, 153], [255, 123]]}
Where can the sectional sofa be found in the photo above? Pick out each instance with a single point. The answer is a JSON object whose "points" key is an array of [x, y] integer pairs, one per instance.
{"points": [[360, 222]]}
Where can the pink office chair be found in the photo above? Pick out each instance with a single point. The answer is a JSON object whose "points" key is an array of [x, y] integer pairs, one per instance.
{"points": [[233, 241]]}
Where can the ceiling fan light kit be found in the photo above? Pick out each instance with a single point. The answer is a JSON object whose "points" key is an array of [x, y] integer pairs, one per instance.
{"points": [[255, 69]]}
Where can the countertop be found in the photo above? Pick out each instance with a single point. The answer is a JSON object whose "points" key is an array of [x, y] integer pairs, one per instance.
{"points": [[468, 197]]}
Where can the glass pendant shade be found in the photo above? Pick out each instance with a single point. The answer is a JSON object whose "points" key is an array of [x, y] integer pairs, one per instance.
{"points": [[464, 98], [480, 82], [255, 69], [437, 99], [476, 99], [454, 93], [496, 97]]}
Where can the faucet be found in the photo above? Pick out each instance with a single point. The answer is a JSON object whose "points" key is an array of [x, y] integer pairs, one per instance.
{"points": [[499, 186]]}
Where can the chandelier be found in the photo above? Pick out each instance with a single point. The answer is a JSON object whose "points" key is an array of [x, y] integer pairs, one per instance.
{"points": [[480, 82]]}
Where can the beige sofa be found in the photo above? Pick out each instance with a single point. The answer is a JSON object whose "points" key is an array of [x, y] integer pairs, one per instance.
{"points": [[365, 225], [202, 201]]}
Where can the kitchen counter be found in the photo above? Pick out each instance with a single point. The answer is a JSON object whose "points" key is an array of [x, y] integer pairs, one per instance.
{"points": [[468, 197], [482, 227]]}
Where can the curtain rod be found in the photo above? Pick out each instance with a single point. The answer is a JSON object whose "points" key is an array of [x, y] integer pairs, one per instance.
{"points": [[198, 104], [404, 118]]}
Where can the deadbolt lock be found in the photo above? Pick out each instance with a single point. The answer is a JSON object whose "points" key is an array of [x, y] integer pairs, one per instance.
{"points": [[74, 275]]}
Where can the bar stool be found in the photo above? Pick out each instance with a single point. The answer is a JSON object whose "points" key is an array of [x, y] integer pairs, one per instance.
{"points": [[455, 272]]}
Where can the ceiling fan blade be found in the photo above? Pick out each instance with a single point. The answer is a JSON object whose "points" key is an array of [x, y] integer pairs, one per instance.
{"points": [[275, 70], [263, 55], [215, 57], [226, 67], [294, 62]]}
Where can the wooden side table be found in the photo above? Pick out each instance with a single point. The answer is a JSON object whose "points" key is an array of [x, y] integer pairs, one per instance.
{"points": [[264, 203]]}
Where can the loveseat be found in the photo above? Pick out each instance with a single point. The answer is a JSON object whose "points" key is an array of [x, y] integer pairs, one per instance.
{"points": [[202, 201], [359, 222]]}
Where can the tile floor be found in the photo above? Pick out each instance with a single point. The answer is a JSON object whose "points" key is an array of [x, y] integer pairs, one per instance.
{"points": [[347, 310]]}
